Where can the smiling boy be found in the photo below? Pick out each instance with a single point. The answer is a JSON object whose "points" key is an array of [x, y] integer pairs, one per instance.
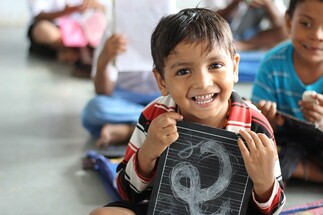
{"points": [[196, 67]]}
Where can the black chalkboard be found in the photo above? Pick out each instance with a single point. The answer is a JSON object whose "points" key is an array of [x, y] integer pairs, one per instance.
{"points": [[308, 130], [201, 173]]}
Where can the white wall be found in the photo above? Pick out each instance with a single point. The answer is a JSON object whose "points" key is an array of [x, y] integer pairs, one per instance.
{"points": [[13, 12], [187, 3]]}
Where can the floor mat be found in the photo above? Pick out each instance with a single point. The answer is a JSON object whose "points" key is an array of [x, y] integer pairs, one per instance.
{"points": [[311, 208]]}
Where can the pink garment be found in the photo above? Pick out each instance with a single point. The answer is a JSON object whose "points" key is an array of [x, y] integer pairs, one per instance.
{"points": [[83, 32], [93, 27], [72, 32]]}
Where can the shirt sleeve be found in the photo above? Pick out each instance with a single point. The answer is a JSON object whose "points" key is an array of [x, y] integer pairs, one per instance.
{"points": [[130, 183], [275, 203]]}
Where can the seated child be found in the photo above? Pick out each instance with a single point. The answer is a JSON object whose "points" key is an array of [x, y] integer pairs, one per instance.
{"points": [[44, 32], [122, 86], [285, 74], [196, 67]]}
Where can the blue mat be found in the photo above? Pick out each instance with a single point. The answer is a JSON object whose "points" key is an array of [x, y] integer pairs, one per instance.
{"points": [[107, 170], [249, 65]]}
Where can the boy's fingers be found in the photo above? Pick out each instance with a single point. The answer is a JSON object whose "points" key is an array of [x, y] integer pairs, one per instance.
{"points": [[248, 138], [257, 141], [243, 148], [166, 119], [319, 98], [265, 141]]}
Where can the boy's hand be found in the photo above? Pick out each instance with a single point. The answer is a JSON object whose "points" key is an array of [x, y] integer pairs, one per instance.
{"points": [[115, 45], [259, 156], [313, 111], [269, 110], [161, 133], [92, 4]]}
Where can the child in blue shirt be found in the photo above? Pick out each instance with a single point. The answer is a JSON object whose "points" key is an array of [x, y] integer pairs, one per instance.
{"points": [[285, 74]]}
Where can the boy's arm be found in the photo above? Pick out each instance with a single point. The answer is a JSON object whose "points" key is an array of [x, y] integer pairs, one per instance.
{"points": [[106, 74], [138, 167], [53, 15], [275, 203], [131, 185], [229, 9], [273, 13]]}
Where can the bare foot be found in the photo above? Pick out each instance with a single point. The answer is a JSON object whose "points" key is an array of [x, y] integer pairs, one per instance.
{"points": [[114, 133]]}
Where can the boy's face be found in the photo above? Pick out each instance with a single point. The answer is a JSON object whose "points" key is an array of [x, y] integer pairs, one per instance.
{"points": [[306, 31], [199, 82]]}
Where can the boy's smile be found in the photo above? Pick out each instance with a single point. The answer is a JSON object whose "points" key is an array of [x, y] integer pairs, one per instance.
{"points": [[200, 81], [204, 99]]}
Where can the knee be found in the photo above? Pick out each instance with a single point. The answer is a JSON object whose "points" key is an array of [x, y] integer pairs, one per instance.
{"points": [[45, 31], [97, 211]]}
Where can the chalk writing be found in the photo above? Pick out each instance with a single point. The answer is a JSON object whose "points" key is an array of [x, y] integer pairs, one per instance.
{"points": [[192, 193]]}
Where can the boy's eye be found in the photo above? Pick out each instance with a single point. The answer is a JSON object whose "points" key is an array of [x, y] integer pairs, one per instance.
{"points": [[306, 24], [182, 72], [215, 66]]}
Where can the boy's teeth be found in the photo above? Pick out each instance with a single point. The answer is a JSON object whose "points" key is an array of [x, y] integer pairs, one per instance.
{"points": [[203, 99], [203, 102]]}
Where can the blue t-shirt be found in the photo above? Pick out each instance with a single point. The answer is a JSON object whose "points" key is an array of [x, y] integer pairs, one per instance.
{"points": [[278, 81]]}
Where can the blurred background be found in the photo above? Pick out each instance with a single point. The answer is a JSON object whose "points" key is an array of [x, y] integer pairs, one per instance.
{"points": [[42, 141]]}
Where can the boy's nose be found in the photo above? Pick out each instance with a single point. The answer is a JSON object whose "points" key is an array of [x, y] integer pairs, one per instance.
{"points": [[203, 79], [318, 34]]}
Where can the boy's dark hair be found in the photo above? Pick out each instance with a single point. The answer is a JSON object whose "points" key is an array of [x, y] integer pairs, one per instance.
{"points": [[292, 6], [192, 25]]}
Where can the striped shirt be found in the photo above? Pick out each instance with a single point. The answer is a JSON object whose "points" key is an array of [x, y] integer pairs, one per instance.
{"points": [[135, 187]]}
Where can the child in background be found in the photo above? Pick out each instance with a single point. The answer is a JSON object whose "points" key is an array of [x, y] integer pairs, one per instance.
{"points": [[286, 73], [196, 67], [44, 34], [255, 24], [123, 90]]}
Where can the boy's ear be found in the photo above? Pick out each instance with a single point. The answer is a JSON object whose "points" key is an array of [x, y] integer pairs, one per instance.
{"points": [[160, 82], [288, 23], [236, 60]]}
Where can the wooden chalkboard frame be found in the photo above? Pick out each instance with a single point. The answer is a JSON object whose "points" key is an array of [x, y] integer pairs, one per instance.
{"points": [[223, 190]]}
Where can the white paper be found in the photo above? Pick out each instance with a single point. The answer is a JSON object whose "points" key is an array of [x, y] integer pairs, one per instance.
{"points": [[137, 19]]}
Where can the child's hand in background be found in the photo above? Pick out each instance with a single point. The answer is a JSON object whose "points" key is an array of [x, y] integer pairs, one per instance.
{"points": [[269, 110], [312, 108]]}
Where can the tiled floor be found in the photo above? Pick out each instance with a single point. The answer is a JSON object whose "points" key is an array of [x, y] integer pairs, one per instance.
{"points": [[42, 141]]}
